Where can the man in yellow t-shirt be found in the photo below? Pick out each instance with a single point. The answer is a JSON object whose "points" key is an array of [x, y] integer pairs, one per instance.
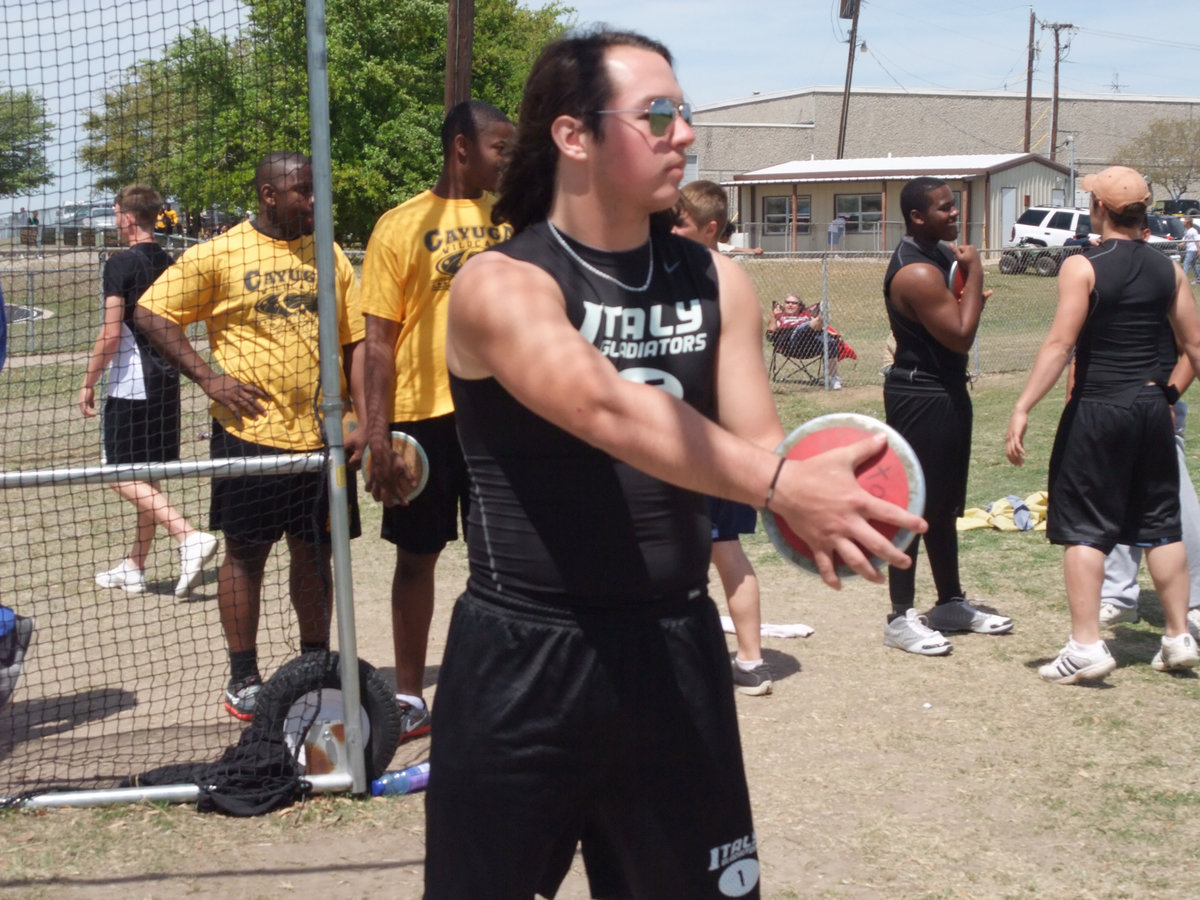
{"points": [[412, 255], [255, 289]]}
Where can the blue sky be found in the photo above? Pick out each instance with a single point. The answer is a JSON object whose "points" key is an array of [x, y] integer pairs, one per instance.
{"points": [[68, 49], [730, 49]]}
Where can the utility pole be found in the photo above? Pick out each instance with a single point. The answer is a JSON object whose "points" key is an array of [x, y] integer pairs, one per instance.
{"points": [[1029, 81], [841, 147], [460, 42], [1059, 49]]}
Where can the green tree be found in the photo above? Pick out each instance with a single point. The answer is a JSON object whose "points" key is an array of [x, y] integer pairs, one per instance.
{"points": [[1167, 153], [177, 125], [24, 133], [195, 122]]}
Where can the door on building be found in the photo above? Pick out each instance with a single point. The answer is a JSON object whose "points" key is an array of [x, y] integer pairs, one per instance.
{"points": [[1008, 216]]}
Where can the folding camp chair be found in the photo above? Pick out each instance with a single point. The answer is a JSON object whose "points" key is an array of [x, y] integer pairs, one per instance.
{"points": [[798, 354]]}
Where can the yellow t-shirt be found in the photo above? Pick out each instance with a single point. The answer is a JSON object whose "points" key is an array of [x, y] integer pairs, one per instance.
{"points": [[257, 297], [414, 252]]}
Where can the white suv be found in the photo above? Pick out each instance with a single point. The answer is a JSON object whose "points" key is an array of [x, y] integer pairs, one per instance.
{"points": [[1048, 226]]}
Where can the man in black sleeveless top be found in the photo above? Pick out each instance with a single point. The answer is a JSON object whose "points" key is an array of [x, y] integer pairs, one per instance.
{"points": [[606, 374], [1113, 471], [925, 398]]}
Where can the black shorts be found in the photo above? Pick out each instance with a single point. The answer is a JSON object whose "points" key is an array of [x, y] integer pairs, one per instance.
{"points": [[430, 521], [1114, 474], [260, 509], [729, 519], [935, 418], [615, 730], [141, 431]]}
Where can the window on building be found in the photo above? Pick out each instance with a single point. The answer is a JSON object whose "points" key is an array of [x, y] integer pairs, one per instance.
{"points": [[863, 212], [778, 217]]}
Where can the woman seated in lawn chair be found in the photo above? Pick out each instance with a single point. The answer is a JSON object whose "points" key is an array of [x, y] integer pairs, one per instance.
{"points": [[798, 335]]}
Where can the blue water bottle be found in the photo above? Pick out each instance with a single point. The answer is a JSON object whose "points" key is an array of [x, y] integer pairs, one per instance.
{"points": [[402, 781]]}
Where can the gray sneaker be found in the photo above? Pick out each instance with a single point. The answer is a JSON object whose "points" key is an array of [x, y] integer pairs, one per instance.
{"points": [[1113, 613], [755, 682], [911, 634], [241, 697], [960, 615], [413, 722]]}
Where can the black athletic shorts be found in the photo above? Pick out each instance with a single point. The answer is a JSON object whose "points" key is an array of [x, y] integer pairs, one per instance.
{"points": [[140, 431], [730, 519], [935, 418], [260, 509], [430, 521], [1114, 474], [613, 729]]}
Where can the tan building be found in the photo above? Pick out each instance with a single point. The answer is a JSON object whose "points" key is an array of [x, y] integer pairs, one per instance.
{"points": [[739, 136], [854, 204]]}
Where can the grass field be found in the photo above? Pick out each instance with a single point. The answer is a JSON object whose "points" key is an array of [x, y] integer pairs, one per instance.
{"points": [[873, 773]]}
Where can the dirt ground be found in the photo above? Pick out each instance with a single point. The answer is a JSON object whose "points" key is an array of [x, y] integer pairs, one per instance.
{"points": [[873, 773]]}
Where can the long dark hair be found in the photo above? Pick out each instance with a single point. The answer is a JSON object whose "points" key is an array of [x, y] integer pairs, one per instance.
{"points": [[569, 78]]}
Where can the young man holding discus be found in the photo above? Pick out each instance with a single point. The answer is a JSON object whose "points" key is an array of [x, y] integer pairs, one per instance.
{"points": [[606, 375]]}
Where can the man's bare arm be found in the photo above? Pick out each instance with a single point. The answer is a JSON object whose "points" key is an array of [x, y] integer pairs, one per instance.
{"points": [[507, 321], [171, 341], [390, 480], [920, 291]]}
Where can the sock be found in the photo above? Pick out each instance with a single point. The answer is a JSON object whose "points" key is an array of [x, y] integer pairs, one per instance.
{"points": [[1090, 649], [243, 664], [897, 614], [747, 665], [314, 647], [415, 702]]}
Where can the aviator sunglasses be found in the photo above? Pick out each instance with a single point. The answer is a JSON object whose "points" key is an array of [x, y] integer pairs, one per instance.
{"points": [[660, 113]]}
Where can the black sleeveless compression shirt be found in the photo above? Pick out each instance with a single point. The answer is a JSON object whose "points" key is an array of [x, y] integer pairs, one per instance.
{"points": [[917, 349], [1121, 345], [553, 519]]}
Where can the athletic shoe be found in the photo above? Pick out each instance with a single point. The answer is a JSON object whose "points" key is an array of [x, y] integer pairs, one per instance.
{"points": [[910, 634], [12, 653], [960, 615], [835, 383], [1112, 614], [413, 722], [1193, 620], [755, 682], [242, 696], [194, 553], [1078, 665], [126, 576], [1175, 654]]}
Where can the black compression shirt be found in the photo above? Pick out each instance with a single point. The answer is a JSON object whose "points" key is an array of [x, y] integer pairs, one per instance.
{"points": [[553, 519], [1120, 347], [916, 348]]}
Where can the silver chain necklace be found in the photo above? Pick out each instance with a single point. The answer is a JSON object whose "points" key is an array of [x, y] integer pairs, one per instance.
{"points": [[583, 262]]}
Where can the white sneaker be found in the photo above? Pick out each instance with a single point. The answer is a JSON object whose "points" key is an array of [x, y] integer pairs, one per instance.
{"points": [[1193, 620], [960, 615], [126, 576], [1175, 654], [835, 383], [1075, 665], [1112, 613], [194, 553], [910, 634]]}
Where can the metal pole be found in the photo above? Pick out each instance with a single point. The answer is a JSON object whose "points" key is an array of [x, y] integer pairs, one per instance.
{"points": [[849, 74], [825, 311], [331, 383], [1029, 81], [29, 319], [1071, 177]]}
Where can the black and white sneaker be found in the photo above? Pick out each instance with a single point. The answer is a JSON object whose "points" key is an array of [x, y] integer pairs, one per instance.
{"points": [[1073, 666]]}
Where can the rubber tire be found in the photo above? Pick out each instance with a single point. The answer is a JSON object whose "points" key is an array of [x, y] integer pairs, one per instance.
{"points": [[318, 671], [1046, 265], [1010, 263]]}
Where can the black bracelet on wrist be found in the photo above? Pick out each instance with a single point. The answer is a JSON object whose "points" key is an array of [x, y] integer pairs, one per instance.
{"points": [[774, 481], [1172, 393]]}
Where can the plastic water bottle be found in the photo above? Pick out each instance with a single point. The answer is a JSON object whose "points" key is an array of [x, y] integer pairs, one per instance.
{"points": [[402, 781]]}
